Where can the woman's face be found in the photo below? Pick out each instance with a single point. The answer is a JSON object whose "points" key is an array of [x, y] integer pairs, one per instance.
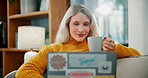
{"points": [[79, 27]]}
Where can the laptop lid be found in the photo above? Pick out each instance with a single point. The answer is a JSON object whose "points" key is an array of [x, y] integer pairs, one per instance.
{"points": [[81, 64]]}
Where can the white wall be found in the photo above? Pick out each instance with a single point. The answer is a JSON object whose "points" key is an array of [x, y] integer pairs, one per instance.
{"points": [[138, 25]]}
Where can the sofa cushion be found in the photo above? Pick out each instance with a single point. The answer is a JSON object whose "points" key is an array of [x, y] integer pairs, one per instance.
{"points": [[132, 67]]}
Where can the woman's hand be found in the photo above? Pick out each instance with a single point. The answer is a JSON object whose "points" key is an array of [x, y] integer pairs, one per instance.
{"points": [[108, 44]]}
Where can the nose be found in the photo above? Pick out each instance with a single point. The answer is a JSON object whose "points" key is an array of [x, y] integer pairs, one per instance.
{"points": [[81, 29]]}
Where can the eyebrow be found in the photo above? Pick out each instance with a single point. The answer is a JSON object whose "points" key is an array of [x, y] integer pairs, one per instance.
{"points": [[78, 21]]}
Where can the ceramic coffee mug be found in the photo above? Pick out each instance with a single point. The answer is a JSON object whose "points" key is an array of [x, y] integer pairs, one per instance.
{"points": [[95, 44]]}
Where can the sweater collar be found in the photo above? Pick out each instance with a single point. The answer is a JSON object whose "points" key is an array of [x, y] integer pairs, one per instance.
{"points": [[76, 42]]}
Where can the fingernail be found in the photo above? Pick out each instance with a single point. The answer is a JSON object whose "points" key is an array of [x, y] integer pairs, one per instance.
{"points": [[105, 37]]}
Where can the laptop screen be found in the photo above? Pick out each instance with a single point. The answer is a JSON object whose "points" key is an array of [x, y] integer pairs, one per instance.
{"points": [[81, 64]]}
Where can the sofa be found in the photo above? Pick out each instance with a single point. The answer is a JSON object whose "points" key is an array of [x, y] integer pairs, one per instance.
{"points": [[131, 67]]}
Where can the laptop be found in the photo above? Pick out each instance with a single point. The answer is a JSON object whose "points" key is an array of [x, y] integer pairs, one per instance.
{"points": [[81, 65]]}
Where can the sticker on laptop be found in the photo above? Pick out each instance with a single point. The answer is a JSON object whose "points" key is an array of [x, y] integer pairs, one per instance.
{"points": [[85, 60], [105, 67], [57, 62], [81, 73]]}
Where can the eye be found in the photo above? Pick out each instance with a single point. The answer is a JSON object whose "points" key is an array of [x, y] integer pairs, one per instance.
{"points": [[86, 24], [76, 24]]}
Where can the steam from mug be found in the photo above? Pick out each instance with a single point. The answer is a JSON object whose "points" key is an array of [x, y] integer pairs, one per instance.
{"points": [[95, 44]]}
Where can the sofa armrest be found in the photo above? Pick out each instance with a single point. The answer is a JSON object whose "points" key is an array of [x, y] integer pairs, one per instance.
{"points": [[132, 67], [11, 74]]}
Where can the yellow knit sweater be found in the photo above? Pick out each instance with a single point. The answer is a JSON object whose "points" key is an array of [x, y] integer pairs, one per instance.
{"points": [[35, 66]]}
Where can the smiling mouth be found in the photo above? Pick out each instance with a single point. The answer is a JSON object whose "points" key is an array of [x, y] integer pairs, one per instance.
{"points": [[80, 35]]}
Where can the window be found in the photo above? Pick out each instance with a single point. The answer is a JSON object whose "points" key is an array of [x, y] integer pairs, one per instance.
{"points": [[111, 17]]}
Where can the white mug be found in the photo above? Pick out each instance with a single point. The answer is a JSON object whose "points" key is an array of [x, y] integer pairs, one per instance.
{"points": [[95, 44]]}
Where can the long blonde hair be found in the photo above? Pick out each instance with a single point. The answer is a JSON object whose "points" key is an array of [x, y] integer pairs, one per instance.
{"points": [[63, 33]]}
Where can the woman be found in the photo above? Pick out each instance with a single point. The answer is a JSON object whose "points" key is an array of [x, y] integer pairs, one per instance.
{"points": [[77, 24]]}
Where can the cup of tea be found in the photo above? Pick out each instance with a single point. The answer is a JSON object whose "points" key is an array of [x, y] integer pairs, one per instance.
{"points": [[95, 44]]}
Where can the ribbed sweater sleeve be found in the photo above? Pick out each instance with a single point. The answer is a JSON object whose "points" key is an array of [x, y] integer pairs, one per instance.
{"points": [[35, 66], [123, 51]]}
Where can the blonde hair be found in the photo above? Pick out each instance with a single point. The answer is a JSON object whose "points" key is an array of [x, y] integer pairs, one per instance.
{"points": [[63, 33]]}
